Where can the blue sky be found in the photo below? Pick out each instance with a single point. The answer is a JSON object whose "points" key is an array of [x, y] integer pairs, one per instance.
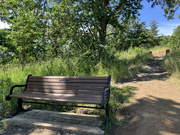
{"points": [[165, 27], [147, 14]]}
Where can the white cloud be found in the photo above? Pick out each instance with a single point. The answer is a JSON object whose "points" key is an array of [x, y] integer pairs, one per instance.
{"points": [[167, 28], [4, 25]]}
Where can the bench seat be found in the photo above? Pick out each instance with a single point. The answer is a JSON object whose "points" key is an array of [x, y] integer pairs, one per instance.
{"points": [[71, 98]]}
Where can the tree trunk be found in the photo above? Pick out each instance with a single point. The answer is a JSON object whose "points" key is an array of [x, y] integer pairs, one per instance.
{"points": [[103, 20], [102, 31]]}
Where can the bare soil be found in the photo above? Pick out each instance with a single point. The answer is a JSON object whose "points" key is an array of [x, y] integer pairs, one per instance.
{"points": [[157, 107]]}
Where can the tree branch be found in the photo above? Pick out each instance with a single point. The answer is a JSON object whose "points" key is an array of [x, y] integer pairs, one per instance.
{"points": [[110, 34]]}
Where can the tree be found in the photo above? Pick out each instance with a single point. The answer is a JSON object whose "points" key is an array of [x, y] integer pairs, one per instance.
{"points": [[7, 50], [135, 34], [174, 40], [154, 33], [76, 26], [26, 19], [100, 13], [164, 40], [139, 35], [154, 28]]}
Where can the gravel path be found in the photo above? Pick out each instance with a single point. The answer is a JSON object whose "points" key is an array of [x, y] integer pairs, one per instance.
{"points": [[157, 110]]}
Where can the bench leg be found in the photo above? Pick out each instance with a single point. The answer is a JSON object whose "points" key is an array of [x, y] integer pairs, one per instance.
{"points": [[107, 116], [20, 108]]}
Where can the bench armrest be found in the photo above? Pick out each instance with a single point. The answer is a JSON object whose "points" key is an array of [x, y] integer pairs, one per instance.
{"points": [[107, 97], [108, 93], [11, 91]]}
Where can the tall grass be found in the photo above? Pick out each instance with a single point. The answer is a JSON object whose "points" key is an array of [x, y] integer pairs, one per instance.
{"points": [[120, 67], [171, 62], [119, 96], [159, 48]]}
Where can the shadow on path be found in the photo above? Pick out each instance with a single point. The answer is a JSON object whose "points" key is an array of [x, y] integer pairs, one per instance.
{"points": [[157, 107], [163, 119], [152, 71]]}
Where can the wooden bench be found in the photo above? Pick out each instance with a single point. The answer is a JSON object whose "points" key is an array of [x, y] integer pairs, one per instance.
{"points": [[78, 90]]}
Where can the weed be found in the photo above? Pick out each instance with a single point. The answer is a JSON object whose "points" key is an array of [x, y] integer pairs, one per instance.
{"points": [[3, 124]]}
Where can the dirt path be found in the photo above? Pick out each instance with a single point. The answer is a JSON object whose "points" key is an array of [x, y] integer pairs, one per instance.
{"points": [[157, 110]]}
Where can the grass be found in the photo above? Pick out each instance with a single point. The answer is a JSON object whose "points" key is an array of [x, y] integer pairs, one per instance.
{"points": [[171, 63], [3, 124], [119, 97], [122, 66], [159, 49]]}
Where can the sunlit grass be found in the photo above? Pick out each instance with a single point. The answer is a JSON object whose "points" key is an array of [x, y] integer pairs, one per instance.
{"points": [[172, 62], [122, 66], [118, 68], [159, 48]]}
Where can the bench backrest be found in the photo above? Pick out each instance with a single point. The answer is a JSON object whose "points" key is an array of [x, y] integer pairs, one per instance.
{"points": [[67, 85]]}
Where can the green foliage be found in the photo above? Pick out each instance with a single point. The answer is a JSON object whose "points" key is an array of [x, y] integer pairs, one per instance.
{"points": [[134, 34], [119, 66], [138, 35], [41, 28], [171, 62], [26, 26], [154, 28], [174, 40], [155, 41], [164, 40], [96, 15], [7, 50]]}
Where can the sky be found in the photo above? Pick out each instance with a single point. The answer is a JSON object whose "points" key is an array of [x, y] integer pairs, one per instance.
{"points": [[165, 27], [3, 25], [147, 14]]}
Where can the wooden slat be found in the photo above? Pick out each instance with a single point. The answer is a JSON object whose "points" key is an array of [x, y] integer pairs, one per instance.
{"points": [[65, 91], [66, 100], [71, 77], [66, 80], [30, 87], [50, 95], [87, 90], [66, 84]]}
